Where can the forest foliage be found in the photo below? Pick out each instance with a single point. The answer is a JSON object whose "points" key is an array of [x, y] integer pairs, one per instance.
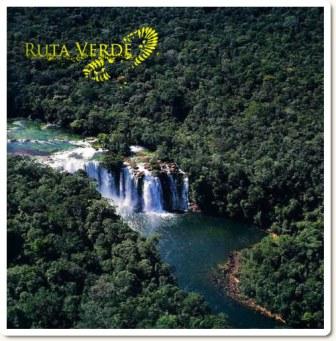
{"points": [[235, 96]]}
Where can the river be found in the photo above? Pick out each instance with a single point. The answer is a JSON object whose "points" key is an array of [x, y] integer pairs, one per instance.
{"points": [[191, 243]]}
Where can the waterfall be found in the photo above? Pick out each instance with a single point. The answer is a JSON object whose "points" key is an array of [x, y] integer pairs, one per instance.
{"points": [[105, 180], [134, 191], [152, 194], [128, 193], [173, 192], [129, 196], [92, 170], [106, 184], [184, 200], [177, 187], [147, 195]]}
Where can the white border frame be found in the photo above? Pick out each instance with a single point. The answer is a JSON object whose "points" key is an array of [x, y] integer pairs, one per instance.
{"points": [[327, 171]]}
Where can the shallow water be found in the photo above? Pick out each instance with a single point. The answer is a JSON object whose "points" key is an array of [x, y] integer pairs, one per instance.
{"points": [[33, 138]]}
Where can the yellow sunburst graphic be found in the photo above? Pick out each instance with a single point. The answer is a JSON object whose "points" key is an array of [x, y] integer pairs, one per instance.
{"points": [[96, 71], [147, 40], [150, 40]]}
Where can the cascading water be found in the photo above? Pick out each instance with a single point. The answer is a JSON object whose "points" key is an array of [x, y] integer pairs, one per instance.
{"points": [[130, 190], [129, 196], [173, 192], [107, 184], [139, 194], [105, 180], [184, 201], [152, 194], [92, 170]]}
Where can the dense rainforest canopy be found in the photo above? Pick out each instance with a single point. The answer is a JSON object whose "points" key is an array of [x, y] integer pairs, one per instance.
{"points": [[235, 96]]}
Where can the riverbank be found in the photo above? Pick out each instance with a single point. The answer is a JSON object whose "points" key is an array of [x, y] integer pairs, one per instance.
{"points": [[227, 277]]}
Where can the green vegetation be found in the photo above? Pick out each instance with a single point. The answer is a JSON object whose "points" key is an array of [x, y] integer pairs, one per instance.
{"points": [[235, 96], [112, 162], [294, 281], [73, 264]]}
